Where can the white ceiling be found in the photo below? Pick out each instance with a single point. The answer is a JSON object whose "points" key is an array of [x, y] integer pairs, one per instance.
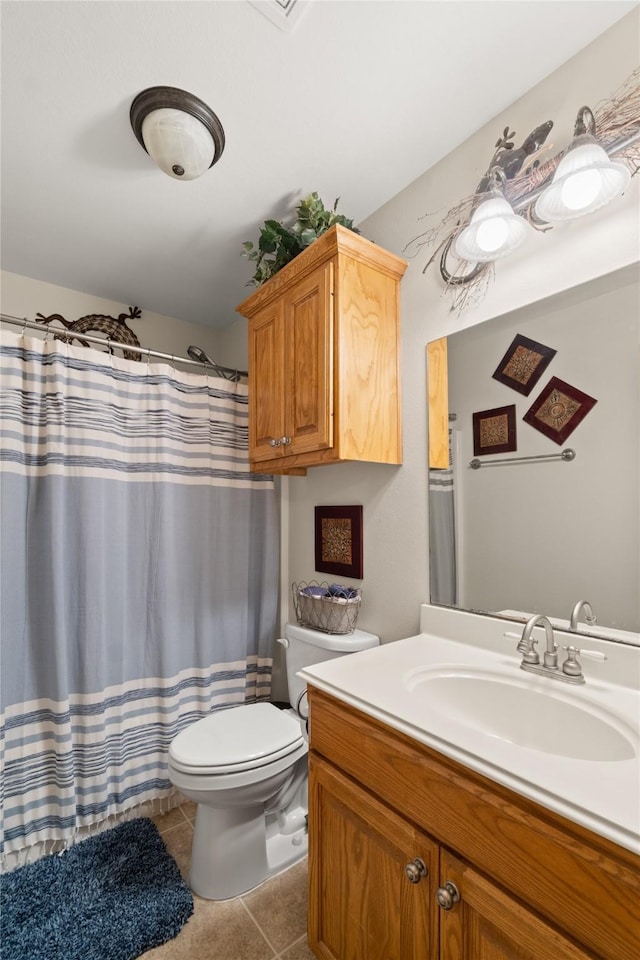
{"points": [[356, 100]]}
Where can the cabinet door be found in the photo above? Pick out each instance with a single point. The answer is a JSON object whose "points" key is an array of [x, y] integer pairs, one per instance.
{"points": [[362, 906], [489, 924], [308, 381], [266, 383]]}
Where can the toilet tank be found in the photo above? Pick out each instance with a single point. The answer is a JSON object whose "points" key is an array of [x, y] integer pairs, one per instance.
{"points": [[305, 646]]}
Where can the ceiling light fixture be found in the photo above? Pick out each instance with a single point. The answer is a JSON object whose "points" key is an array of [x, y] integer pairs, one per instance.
{"points": [[178, 131], [494, 230], [585, 179]]}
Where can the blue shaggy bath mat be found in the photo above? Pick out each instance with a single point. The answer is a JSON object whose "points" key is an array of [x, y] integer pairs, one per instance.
{"points": [[110, 897]]}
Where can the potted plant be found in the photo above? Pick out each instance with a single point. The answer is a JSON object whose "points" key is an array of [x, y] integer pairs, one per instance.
{"points": [[278, 244]]}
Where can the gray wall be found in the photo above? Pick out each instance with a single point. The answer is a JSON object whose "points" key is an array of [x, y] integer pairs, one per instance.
{"points": [[394, 499]]}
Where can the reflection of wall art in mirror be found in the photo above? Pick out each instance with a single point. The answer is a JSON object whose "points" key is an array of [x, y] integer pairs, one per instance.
{"points": [[494, 431], [558, 410], [338, 540], [523, 364]]}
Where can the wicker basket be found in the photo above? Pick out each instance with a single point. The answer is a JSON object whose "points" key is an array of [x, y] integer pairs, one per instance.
{"points": [[330, 614]]}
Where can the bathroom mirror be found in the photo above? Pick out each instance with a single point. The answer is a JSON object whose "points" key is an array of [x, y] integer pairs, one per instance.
{"points": [[535, 536]]}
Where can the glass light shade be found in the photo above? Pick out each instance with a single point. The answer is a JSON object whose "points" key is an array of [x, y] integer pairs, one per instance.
{"points": [[585, 180], [178, 142], [494, 231]]}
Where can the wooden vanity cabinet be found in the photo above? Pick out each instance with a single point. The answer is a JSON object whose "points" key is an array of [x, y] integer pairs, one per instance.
{"points": [[532, 885], [324, 357], [362, 906]]}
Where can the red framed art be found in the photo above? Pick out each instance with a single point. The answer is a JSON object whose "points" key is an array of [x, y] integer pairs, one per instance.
{"points": [[494, 431], [523, 364], [338, 540], [558, 410]]}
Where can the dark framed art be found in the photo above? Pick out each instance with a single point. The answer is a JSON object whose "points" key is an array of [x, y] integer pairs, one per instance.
{"points": [[558, 410], [339, 540], [523, 364], [494, 431]]}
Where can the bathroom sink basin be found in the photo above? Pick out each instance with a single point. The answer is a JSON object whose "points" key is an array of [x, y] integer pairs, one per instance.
{"points": [[516, 711]]}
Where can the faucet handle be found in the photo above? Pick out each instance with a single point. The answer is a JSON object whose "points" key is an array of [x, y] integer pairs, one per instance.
{"points": [[527, 647], [589, 654], [571, 666]]}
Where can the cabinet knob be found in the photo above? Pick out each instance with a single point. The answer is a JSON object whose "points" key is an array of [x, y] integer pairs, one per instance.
{"points": [[448, 895], [273, 442], [416, 870], [285, 441]]}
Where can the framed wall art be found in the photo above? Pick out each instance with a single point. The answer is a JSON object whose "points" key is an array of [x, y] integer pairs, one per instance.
{"points": [[523, 364], [558, 410], [494, 431], [338, 540]]}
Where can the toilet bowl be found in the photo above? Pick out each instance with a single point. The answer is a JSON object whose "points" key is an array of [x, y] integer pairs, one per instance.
{"points": [[246, 768]]}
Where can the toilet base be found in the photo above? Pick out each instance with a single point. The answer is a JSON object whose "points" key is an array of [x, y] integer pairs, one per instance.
{"points": [[234, 850]]}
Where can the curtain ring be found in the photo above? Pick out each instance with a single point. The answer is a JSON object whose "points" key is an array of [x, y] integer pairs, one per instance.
{"points": [[24, 326], [148, 355]]}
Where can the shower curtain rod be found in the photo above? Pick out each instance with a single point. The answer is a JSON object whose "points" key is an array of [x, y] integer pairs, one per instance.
{"points": [[115, 344]]}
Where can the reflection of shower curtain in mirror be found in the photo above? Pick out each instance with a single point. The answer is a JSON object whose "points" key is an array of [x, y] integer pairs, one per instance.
{"points": [[139, 578], [442, 531]]}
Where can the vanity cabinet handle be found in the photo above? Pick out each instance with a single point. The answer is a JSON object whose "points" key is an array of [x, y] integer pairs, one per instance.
{"points": [[448, 895], [415, 870], [273, 442], [285, 441]]}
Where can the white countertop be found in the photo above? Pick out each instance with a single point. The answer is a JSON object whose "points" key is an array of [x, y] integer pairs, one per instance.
{"points": [[602, 795]]}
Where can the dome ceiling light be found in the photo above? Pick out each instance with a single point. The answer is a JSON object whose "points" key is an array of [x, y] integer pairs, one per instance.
{"points": [[178, 131]]}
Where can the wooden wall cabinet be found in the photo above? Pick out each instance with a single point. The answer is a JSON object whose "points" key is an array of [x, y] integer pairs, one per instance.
{"points": [[324, 357], [531, 884]]}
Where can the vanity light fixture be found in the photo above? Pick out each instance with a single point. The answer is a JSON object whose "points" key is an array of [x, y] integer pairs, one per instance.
{"points": [[495, 229], [178, 131], [526, 188], [585, 179]]}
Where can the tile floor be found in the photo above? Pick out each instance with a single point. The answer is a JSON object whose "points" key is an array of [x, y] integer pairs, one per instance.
{"points": [[267, 923]]}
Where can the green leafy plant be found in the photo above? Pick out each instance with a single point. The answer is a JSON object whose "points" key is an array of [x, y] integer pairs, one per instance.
{"points": [[279, 244]]}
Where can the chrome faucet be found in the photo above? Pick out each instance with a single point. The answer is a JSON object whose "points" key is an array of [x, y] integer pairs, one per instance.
{"points": [[530, 656], [575, 614], [571, 670]]}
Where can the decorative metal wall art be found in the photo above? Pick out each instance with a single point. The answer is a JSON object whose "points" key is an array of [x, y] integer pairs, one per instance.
{"points": [[115, 329], [558, 410], [523, 364], [494, 431], [338, 540]]}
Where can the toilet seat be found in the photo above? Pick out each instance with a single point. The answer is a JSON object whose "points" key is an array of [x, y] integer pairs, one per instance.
{"points": [[230, 741]]}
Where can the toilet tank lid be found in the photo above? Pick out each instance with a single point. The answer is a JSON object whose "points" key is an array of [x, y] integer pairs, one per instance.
{"points": [[343, 642]]}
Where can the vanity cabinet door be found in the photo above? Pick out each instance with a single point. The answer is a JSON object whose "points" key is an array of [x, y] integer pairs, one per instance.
{"points": [[489, 924], [362, 906]]}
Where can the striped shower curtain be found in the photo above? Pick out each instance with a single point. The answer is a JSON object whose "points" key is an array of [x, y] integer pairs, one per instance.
{"points": [[443, 565], [138, 578]]}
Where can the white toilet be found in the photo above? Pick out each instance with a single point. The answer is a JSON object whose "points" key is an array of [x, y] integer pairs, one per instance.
{"points": [[246, 768]]}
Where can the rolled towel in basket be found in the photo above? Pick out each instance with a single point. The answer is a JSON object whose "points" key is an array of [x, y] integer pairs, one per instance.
{"points": [[314, 591], [342, 591]]}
